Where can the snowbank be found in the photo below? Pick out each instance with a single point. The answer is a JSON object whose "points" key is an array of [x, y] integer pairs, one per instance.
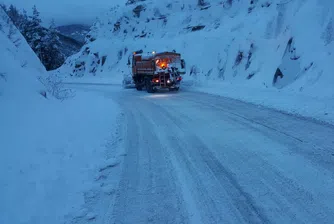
{"points": [[50, 155], [50, 150], [284, 47], [320, 108]]}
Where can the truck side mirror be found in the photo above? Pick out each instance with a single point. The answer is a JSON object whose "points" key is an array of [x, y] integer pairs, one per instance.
{"points": [[129, 62], [183, 64]]}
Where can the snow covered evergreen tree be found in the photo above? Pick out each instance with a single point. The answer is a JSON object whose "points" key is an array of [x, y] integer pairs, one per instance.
{"points": [[4, 7], [13, 13], [43, 41], [23, 21], [34, 31], [19, 19], [51, 56]]}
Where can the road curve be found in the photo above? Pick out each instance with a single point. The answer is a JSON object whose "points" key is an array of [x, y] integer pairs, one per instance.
{"points": [[199, 158]]}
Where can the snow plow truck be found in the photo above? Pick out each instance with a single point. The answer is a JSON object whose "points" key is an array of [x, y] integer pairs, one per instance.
{"points": [[154, 71]]}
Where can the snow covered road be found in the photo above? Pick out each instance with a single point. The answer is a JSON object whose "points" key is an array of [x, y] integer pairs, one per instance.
{"points": [[199, 158]]}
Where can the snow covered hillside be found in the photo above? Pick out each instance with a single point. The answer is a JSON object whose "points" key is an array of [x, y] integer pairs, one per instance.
{"points": [[17, 60], [50, 150], [263, 51]]}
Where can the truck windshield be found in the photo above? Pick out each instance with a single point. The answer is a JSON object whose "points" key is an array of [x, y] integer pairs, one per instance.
{"points": [[167, 60]]}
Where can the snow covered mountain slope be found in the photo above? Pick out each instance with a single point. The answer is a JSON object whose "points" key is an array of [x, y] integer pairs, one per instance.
{"points": [[17, 61], [263, 45], [50, 150]]}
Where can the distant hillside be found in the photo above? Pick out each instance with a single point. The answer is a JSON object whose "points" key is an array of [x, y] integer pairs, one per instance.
{"points": [[75, 31], [69, 45]]}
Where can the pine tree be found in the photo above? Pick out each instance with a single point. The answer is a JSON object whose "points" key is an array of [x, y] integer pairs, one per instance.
{"points": [[52, 57], [19, 19], [24, 21], [34, 32], [36, 20], [44, 42], [24, 15], [4, 7], [13, 13]]}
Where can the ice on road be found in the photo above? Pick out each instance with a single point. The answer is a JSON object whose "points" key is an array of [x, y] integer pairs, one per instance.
{"points": [[198, 158]]}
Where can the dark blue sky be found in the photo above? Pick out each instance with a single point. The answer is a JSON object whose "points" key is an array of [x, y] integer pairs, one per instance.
{"points": [[67, 11]]}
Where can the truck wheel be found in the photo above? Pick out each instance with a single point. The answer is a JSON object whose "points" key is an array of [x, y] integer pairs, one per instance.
{"points": [[139, 87], [174, 89], [149, 87]]}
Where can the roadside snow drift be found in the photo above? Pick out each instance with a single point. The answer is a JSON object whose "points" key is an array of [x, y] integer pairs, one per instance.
{"points": [[252, 47], [50, 150]]}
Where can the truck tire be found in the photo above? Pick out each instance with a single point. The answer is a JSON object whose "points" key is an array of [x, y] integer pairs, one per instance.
{"points": [[174, 89], [139, 87], [149, 87]]}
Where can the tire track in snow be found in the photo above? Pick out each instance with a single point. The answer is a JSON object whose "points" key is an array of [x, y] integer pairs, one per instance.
{"points": [[153, 196], [243, 202], [285, 192], [127, 186], [228, 182], [274, 127]]}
